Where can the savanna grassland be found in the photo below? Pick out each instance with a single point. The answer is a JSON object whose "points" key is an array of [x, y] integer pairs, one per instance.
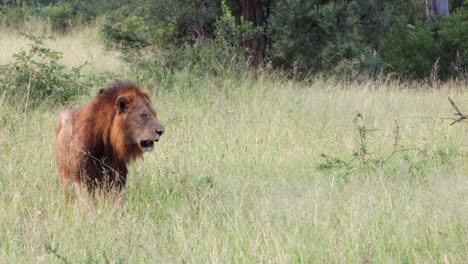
{"points": [[239, 175]]}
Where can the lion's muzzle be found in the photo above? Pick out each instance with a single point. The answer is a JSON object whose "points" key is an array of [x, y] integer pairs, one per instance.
{"points": [[147, 145]]}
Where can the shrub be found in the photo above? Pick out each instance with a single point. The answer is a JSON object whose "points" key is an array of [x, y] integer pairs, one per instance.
{"points": [[203, 61], [183, 21], [156, 56], [89, 10], [37, 76], [336, 37], [60, 14], [452, 35], [123, 30], [412, 51], [14, 15], [167, 24]]}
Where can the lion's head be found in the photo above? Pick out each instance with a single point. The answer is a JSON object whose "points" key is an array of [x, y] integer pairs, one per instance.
{"points": [[139, 121], [134, 125]]}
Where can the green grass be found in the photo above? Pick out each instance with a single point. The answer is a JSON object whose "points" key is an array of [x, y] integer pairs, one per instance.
{"points": [[235, 179]]}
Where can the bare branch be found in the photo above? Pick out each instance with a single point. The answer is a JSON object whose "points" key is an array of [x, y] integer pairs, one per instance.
{"points": [[458, 113], [441, 118], [455, 120]]}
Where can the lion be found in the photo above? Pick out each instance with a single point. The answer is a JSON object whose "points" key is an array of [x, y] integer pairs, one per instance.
{"points": [[95, 143]]}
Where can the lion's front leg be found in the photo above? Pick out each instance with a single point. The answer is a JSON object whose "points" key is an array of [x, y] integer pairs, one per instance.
{"points": [[64, 182], [81, 194], [120, 198], [120, 180]]}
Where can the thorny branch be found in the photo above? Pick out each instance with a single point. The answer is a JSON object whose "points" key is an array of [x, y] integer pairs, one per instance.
{"points": [[362, 154], [54, 251], [396, 142]]}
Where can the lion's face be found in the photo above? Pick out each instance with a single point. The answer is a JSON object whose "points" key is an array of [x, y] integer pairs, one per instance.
{"points": [[141, 123]]}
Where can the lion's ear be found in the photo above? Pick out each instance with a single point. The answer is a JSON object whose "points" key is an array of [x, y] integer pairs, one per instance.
{"points": [[146, 94], [122, 103]]}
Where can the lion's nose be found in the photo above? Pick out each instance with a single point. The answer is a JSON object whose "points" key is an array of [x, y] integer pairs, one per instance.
{"points": [[160, 131]]}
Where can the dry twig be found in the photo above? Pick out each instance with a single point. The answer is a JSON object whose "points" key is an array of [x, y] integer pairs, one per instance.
{"points": [[455, 120], [458, 113]]}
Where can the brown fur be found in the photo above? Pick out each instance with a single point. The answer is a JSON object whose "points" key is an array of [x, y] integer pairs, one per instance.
{"points": [[94, 144]]}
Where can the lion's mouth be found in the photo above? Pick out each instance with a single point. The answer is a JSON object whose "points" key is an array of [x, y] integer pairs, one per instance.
{"points": [[147, 145]]}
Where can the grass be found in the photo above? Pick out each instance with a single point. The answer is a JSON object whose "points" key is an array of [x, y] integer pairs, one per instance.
{"points": [[236, 179], [78, 48]]}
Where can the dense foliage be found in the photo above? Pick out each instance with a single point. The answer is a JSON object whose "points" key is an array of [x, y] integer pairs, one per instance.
{"points": [[158, 48], [334, 36], [411, 51], [339, 38], [344, 38]]}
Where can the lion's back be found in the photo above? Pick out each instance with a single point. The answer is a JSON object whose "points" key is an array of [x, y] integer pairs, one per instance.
{"points": [[64, 137], [65, 120]]}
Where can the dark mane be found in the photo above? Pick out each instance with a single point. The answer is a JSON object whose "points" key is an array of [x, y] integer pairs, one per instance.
{"points": [[120, 87]]}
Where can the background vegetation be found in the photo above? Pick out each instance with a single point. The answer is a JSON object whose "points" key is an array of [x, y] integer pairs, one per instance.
{"points": [[332, 148], [349, 39]]}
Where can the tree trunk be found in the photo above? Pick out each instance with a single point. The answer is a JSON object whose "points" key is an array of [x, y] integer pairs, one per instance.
{"points": [[437, 7], [457, 4], [252, 10]]}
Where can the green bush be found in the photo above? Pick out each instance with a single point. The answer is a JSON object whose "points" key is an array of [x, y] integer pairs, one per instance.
{"points": [[167, 24], [452, 35], [15, 14], [203, 61], [123, 30], [60, 14], [230, 31], [89, 10], [335, 37], [36, 76], [412, 51], [201, 58], [183, 21]]}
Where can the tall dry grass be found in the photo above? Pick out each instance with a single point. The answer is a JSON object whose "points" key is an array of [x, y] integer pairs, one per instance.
{"points": [[236, 179], [78, 47]]}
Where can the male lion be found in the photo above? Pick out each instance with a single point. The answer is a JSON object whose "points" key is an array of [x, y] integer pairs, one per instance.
{"points": [[95, 143]]}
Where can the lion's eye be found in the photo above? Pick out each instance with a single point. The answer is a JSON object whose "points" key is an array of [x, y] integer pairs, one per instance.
{"points": [[145, 117]]}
